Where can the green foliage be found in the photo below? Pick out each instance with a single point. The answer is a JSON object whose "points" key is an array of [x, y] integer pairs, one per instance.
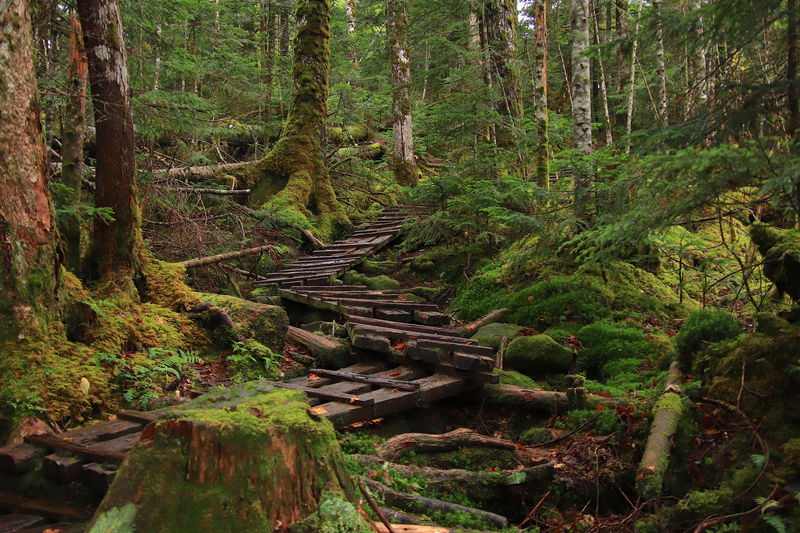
{"points": [[361, 442], [538, 355], [251, 360], [703, 327], [604, 342], [560, 299], [605, 422]]}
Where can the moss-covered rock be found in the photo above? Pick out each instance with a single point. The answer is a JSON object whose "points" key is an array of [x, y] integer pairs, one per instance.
{"points": [[781, 251], [510, 377], [250, 458], [702, 328], [265, 323], [536, 435], [603, 342], [427, 293], [538, 355], [381, 282], [492, 334]]}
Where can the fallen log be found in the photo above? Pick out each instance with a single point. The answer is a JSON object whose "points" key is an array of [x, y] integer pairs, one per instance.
{"points": [[400, 445], [219, 192], [542, 401], [327, 350], [211, 259], [466, 479], [420, 504], [666, 415], [412, 528], [200, 173], [495, 316]]}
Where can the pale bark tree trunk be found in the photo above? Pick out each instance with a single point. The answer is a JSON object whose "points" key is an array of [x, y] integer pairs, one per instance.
{"points": [[405, 168], [501, 27], [116, 244], [72, 142], [581, 103], [350, 11], [662, 65], [542, 149], [268, 53], [793, 92], [700, 66], [631, 92], [29, 263], [157, 75], [622, 24], [603, 85]]}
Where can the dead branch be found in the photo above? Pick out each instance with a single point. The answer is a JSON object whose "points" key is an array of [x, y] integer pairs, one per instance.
{"points": [[427, 443], [211, 259]]}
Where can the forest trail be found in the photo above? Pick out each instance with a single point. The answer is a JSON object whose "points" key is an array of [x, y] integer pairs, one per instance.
{"points": [[408, 357]]}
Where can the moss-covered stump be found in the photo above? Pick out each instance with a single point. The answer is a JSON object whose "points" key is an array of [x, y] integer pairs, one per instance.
{"points": [[266, 324], [538, 355], [251, 458], [781, 251], [491, 335]]}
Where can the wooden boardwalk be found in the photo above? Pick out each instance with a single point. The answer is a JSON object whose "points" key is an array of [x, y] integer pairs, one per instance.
{"points": [[409, 358]]}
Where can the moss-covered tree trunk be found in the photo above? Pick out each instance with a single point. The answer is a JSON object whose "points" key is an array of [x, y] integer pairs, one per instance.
{"points": [[117, 244], [405, 168], [29, 262], [297, 160], [501, 28], [250, 458], [72, 145], [540, 94]]}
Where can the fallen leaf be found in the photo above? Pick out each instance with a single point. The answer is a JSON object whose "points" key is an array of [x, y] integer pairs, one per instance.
{"points": [[599, 407], [394, 374], [111, 418], [319, 410], [530, 299], [313, 377], [400, 347], [353, 399]]}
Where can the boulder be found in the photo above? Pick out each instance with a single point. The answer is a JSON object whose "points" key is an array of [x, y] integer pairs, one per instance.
{"points": [[492, 334], [538, 355]]}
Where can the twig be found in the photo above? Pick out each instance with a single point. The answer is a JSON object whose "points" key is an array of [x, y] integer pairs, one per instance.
{"points": [[374, 506], [535, 508], [566, 435], [709, 523]]}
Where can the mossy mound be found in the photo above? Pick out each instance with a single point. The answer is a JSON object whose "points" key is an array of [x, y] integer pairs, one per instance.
{"points": [[381, 282], [604, 342], [780, 249], [491, 335], [578, 298], [448, 263], [427, 293], [266, 324], [702, 328], [250, 458], [511, 377], [352, 133], [538, 355]]}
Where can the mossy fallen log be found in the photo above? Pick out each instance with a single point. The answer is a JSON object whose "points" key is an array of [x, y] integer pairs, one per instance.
{"points": [[251, 458], [546, 402], [655, 459], [400, 445]]}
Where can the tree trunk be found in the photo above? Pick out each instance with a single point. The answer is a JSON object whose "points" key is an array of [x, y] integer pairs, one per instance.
{"points": [[29, 263], [400, 445], [541, 7], [793, 92], [603, 85], [283, 21], [662, 65], [261, 463], [581, 105], [623, 74], [405, 167], [700, 66], [631, 92], [72, 144], [268, 54], [501, 39], [350, 11], [116, 244]]}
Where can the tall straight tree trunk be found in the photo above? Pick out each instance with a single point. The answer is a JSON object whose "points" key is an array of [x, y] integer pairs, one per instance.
{"points": [[700, 65], [542, 149], [662, 65], [72, 142], [622, 24], [270, 35], [283, 21], [631, 91], [350, 12], [581, 104], [603, 85], [157, 74], [29, 263], [405, 168], [793, 92], [501, 27], [116, 244]]}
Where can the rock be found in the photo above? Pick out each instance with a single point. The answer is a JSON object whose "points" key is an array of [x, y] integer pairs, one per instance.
{"points": [[381, 282], [250, 458], [266, 324], [538, 355], [511, 377], [780, 249], [491, 334]]}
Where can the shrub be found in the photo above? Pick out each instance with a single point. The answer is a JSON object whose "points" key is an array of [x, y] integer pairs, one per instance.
{"points": [[704, 327], [604, 342]]}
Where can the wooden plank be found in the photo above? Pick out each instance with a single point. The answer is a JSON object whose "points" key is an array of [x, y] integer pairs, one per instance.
{"points": [[98, 476], [100, 431], [452, 346], [404, 372], [11, 523], [396, 333], [372, 380], [381, 303], [465, 361], [373, 343], [20, 458], [395, 315], [431, 318], [54, 443], [62, 467], [120, 445], [364, 368], [307, 300], [322, 394], [40, 507], [335, 288], [144, 417], [407, 327]]}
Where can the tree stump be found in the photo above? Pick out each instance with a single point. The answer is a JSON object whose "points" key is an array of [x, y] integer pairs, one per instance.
{"points": [[251, 458]]}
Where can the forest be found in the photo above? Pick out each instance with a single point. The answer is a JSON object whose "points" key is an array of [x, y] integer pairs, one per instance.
{"points": [[399, 266]]}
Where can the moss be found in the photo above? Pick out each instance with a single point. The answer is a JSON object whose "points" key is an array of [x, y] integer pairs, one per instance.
{"points": [[165, 284], [780, 249], [381, 282], [701, 328], [428, 293], [352, 133], [334, 515], [510, 377], [583, 299], [266, 324], [538, 355], [603, 342], [491, 335], [252, 360], [536, 435]]}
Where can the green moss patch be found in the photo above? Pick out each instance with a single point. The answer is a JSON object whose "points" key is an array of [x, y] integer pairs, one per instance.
{"points": [[491, 335], [538, 355]]}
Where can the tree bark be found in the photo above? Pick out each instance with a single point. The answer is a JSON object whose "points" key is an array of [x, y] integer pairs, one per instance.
{"points": [[662, 65], [631, 91], [793, 91], [29, 262], [72, 143], [603, 84], [211, 259], [400, 445], [350, 12], [405, 167], [116, 244], [501, 39], [542, 150], [700, 66], [581, 80]]}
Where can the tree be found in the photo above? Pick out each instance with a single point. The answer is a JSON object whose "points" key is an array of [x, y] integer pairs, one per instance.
{"points": [[500, 21], [793, 92], [661, 65], [117, 244], [405, 167], [581, 101], [540, 94], [29, 261]]}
